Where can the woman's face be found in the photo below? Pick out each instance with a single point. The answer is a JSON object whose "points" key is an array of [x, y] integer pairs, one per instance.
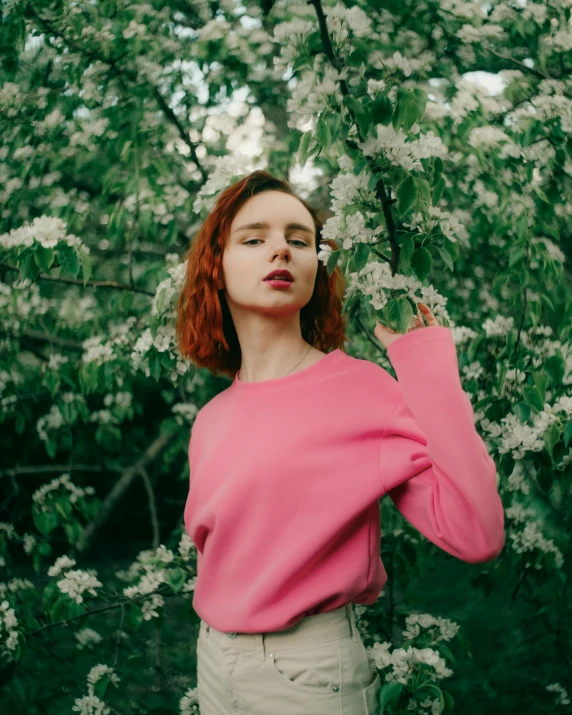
{"points": [[251, 253]]}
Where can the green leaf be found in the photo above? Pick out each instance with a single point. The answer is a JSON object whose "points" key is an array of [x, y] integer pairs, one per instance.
{"points": [[44, 257], [354, 105], [567, 433], [516, 255], [551, 437], [421, 262], [405, 254], [68, 261], [399, 109], [438, 191], [555, 366], [133, 616], [304, 147], [545, 477], [382, 110], [155, 365], [361, 255], [533, 398], [398, 313], [59, 611], [390, 691], [45, 521], [437, 169], [29, 267], [447, 260], [86, 266], [332, 261], [406, 195], [176, 578], [323, 135]]}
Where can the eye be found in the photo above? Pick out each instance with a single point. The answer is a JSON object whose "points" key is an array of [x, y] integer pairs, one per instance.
{"points": [[303, 243]]}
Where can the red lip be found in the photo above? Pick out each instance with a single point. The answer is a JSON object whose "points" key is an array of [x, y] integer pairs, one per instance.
{"points": [[284, 273]]}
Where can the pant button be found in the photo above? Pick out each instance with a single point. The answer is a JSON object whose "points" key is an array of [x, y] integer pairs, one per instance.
{"points": [[232, 635], [335, 688]]}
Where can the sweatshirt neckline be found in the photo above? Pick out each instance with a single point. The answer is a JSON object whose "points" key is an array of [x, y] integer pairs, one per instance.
{"points": [[304, 376]]}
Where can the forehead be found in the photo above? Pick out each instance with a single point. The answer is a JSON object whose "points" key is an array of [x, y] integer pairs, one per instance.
{"points": [[273, 207]]}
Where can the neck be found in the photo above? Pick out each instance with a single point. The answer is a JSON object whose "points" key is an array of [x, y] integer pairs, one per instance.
{"points": [[272, 364]]}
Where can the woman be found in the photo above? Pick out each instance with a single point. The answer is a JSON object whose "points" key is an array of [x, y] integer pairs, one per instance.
{"points": [[288, 464]]}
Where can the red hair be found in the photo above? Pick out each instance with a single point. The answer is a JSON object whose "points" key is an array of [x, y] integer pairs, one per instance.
{"points": [[205, 329]]}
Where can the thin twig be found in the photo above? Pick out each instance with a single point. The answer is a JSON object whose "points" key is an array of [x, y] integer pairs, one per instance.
{"points": [[120, 487], [78, 281]]}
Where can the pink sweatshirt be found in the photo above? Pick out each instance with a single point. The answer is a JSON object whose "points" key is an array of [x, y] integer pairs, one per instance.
{"points": [[286, 477]]}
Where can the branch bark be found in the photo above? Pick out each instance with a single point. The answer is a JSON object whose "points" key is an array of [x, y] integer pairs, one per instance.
{"points": [[380, 189], [120, 487]]}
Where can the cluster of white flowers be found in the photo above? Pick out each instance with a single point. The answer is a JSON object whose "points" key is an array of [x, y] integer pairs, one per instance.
{"points": [[87, 638], [449, 224], [531, 539], [14, 585], [518, 513], [291, 37], [189, 703], [317, 90], [396, 62], [28, 543], [169, 288], [223, 171], [165, 340], [76, 582], [8, 628], [395, 147], [149, 582], [518, 480], [186, 547], [148, 608], [342, 21], [134, 29], [104, 417], [95, 350], [75, 310], [185, 411], [442, 629], [8, 530], [404, 663], [91, 704], [470, 33], [563, 698], [56, 360], [375, 279], [52, 421], [498, 326], [216, 29], [74, 492], [61, 563], [121, 399], [46, 230]]}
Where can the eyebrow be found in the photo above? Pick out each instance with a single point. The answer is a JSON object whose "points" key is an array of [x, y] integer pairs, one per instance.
{"points": [[289, 226]]}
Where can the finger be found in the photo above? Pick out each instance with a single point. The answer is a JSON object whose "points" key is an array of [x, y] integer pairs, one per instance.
{"points": [[428, 314]]}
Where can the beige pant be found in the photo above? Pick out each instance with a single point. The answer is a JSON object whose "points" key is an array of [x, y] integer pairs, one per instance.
{"points": [[319, 666]]}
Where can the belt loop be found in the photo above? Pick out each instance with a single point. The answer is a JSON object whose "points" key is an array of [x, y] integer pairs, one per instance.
{"points": [[352, 616]]}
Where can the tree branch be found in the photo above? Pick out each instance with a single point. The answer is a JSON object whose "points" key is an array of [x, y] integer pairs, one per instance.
{"points": [[121, 486], [39, 469], [380, 189], [78, 281]]}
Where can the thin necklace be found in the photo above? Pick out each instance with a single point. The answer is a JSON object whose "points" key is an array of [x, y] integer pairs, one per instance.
{"points": [[295, 366]]}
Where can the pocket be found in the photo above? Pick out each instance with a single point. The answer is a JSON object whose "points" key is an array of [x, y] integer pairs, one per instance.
{"points": [[313, 669], [371, 695]]}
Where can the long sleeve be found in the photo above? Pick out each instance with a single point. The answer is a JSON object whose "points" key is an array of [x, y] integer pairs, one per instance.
{"points": [[433, 463]]}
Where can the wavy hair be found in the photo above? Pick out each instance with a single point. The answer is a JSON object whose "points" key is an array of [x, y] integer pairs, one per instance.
{"points": [[205, 329]]}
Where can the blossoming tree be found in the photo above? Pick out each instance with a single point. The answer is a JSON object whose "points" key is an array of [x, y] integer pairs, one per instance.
{"points": [[121, 123]]}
